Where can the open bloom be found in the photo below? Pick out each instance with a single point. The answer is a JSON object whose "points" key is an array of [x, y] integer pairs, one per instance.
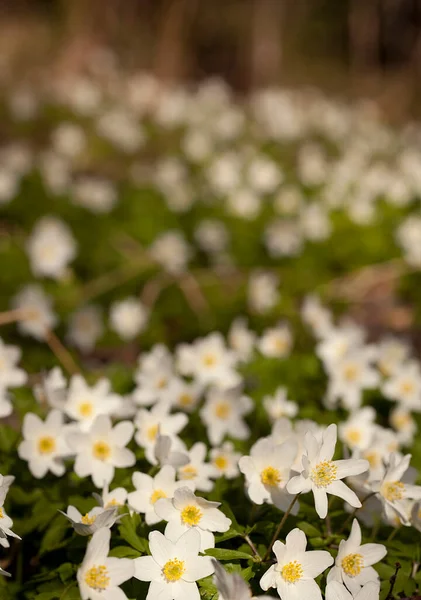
{"points": [[197, 470], [150, 489], [157, 420], [296, 569], [102, 449], [223, 414], [185, 511], [337, 591], [95, 519], [84, 403], [10, 374], [322, 475], [353, 562], [44, 445], [99, 576], [174, 567], [267, 471], [394, 492], [5, 521]]}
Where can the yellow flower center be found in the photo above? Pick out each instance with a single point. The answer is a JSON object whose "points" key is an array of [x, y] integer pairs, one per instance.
{"points": [[162, 383], [97, 578], [46, 444], [393, 490], [191, 515], [401, 420], [351, 372], [324, 474], [373, 459], [112, 503], [87, 520], [353, 436], [188, 472], [280, 344], [173, 569], [185, 400], [407, 388], [270, 476], [209, 360], [157, 495], [101, 450], [220, 462], [292, 571], [222, 410], [152, 432], [86, 409], [1, 513], [352, 564]]}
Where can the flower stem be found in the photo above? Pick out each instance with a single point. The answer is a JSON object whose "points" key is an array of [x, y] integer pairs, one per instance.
{"points": [[393, 581], [281, 524], [61, 353], [253, 547]]}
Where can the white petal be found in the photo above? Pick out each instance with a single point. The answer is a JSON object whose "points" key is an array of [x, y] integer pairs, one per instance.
{"points": [[347, 468], [338, 488], [120, 569], [337, 591], [320, 502], [98, 547], [329, 442], [162, 549], [315, 562], [268, 579], [296, 542], [198, 568], [372, 553], [147, 569], [122, 433]]}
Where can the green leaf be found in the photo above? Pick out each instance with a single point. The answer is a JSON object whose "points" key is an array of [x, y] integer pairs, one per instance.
{"points": [[54, 535], [127, 528], [222, 554], [308, 529], [124, 552]]}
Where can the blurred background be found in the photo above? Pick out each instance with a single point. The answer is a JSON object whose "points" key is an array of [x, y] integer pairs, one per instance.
{"points": [[368, 48]]}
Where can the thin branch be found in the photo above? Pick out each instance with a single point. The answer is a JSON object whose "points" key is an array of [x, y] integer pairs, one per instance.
{"points": [[62, 354], [253, 547], [393, 581], [281, 524]]}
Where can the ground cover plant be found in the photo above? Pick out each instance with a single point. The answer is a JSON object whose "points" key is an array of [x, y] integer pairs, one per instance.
{"points": [[209, 359]]}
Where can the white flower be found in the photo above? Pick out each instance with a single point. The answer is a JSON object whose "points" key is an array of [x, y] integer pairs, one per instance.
{"points": [[404, 386], [111, 499], [241, 339], [317, 316], [85, 327], [276, 341], [393, 491], [353, 564], [51, 247], [337, 591], [36, 307], [183, 395], [150, 489], [338, 343], [174, 567], [10, 374], [322, 475], [296, 569], [391, 353], [68, 139], [268, 470], [97, 518], [122, 129], [278, 405], [185, 511], [158, 419], [283, 238], [225, 460], [212, 236], [97, 195], [99, 577], [154, 376], [263, 292], [102, 449], [171, 251], [244, 204], [400, 418], [197, 470], [84, 403], [223, 413], [208, 360], [128, 317], [349, 376], [44, 445], [358, 431], [6, 522]]}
